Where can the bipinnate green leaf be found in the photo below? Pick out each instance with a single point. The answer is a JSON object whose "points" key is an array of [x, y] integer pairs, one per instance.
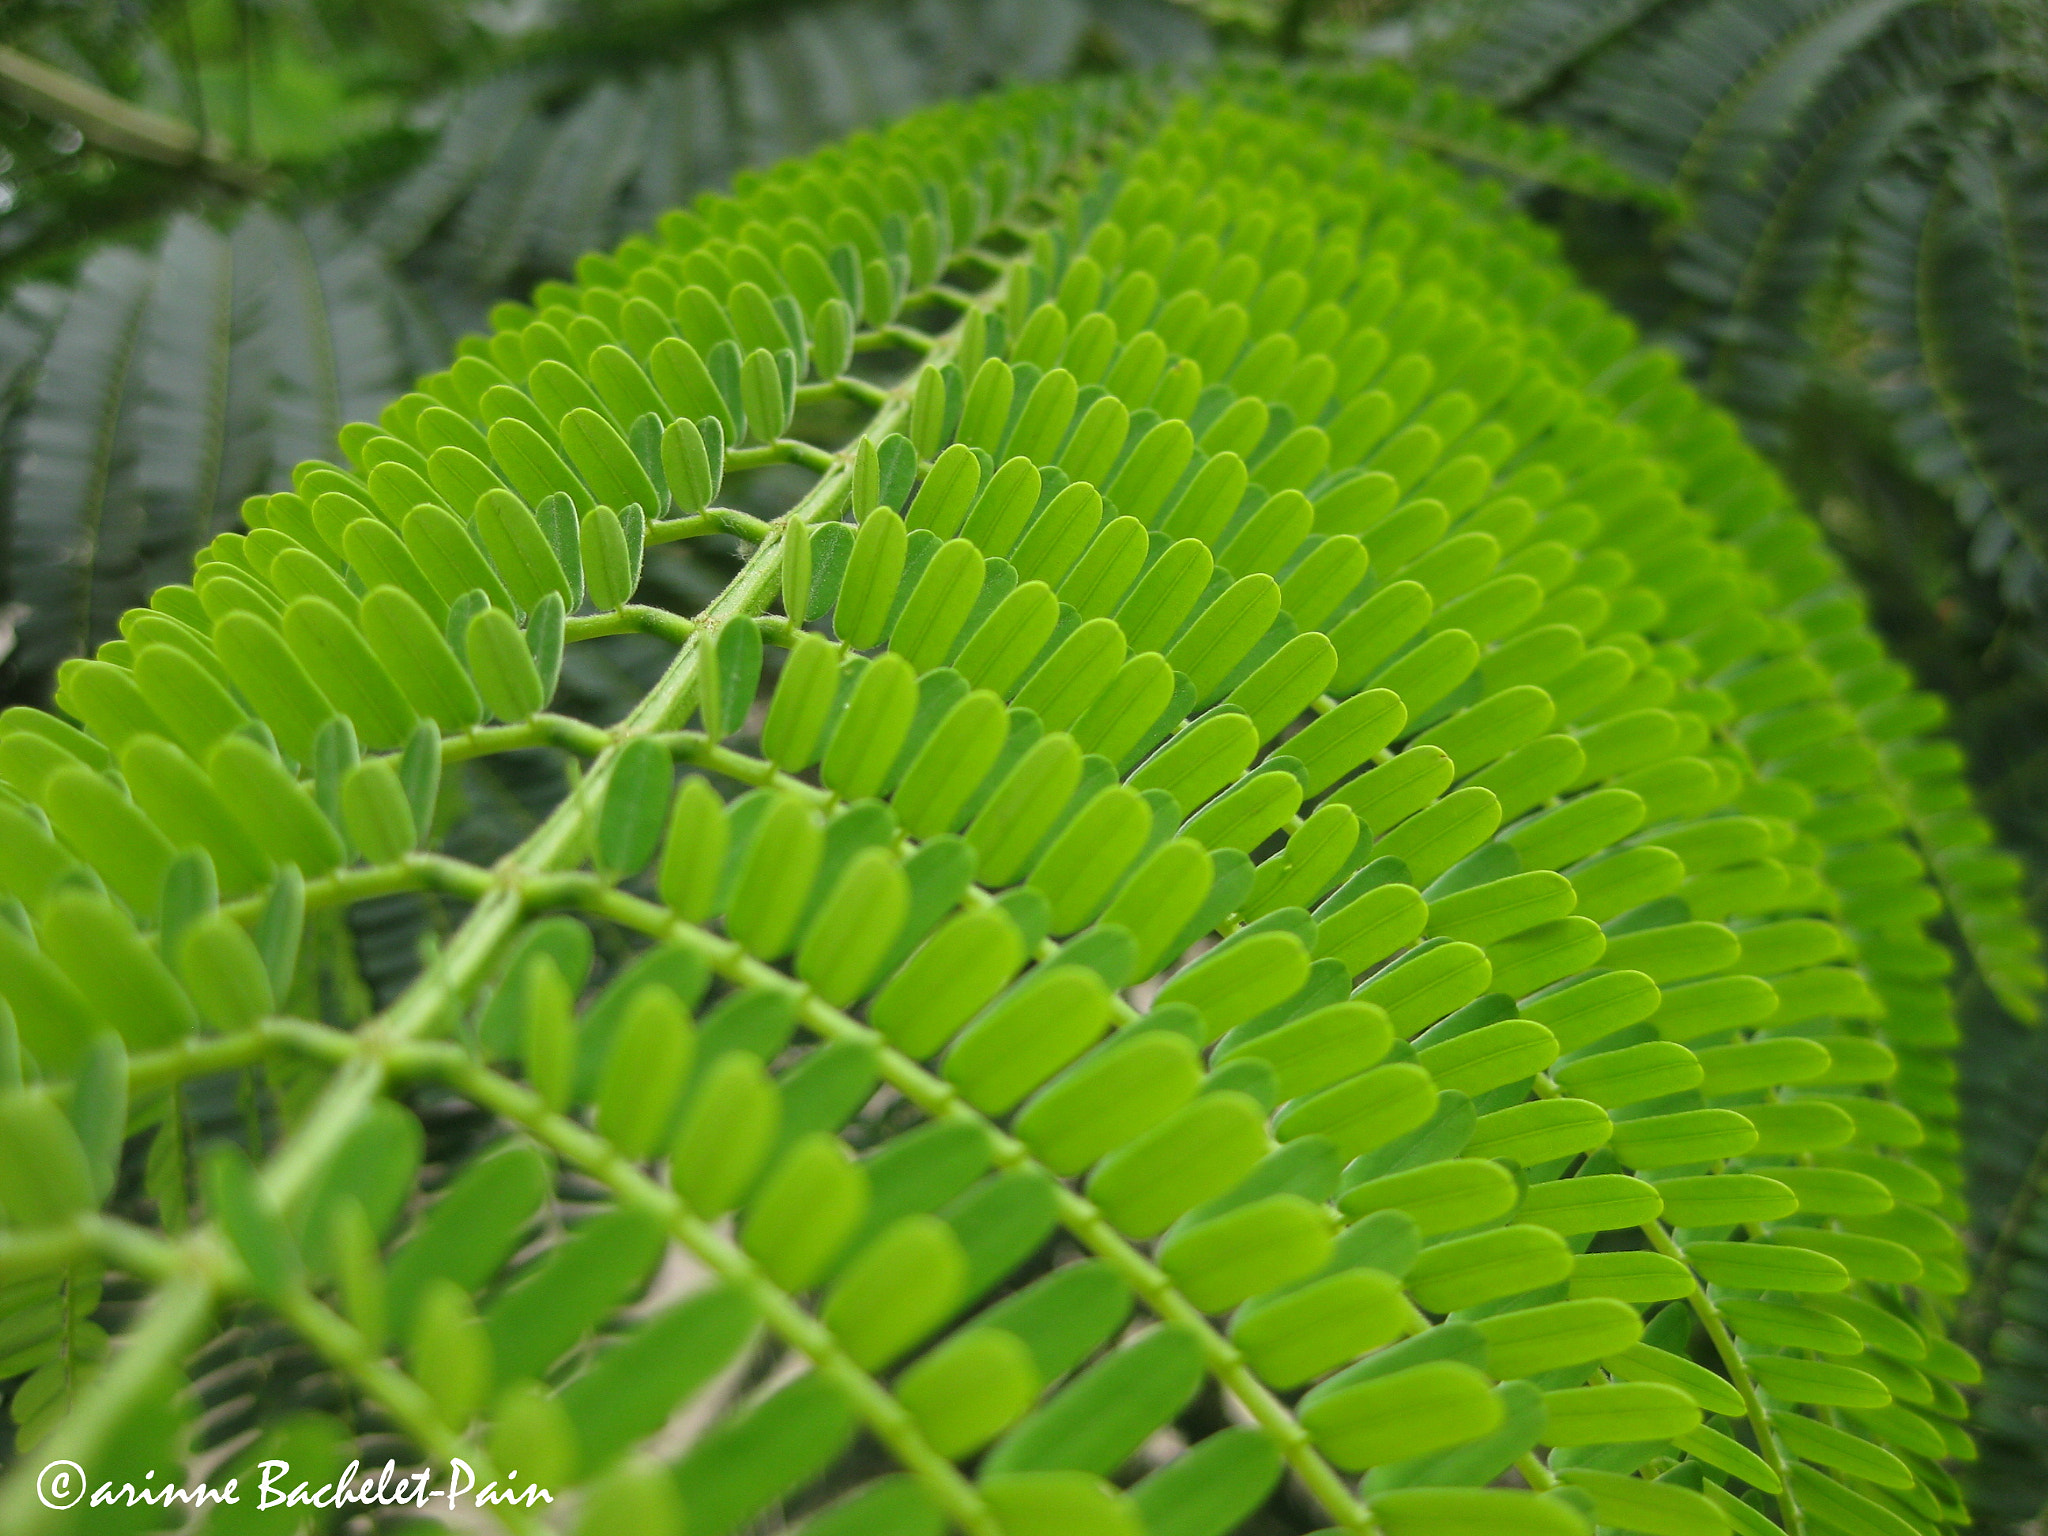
{"points": [[1646, 1362], [1365, 1111], [832, 332], [868, 590], [1196, 1154], [1466, 1271], [1027, 1037], [730, 681], [1662, 1508], [1106, 1412], [1256, 1248], [1446, 1196], [98, 949], [774, 877], [1304, 779], [280, 926], [958, 969], [1545, 1338], [1047, 1503], [687, 466]]}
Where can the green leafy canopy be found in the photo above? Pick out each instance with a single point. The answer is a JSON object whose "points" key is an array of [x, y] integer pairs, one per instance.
{"points": [[1288, 890]]}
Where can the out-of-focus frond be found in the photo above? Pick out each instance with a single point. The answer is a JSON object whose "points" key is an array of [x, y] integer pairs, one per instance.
{"points": [[1865, 261], [1521, 49], [537, 166], [1468, 129], [167, 387], [1766, 226], [1952, 268]]}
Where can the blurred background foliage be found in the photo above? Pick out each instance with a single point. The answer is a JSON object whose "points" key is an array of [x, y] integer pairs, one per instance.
{"points": [[229, 226]]}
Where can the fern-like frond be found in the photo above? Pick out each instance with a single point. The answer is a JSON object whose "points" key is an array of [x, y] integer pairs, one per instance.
{"points": [[169, 387], [1774, 123], [76, 511], [1467, 128], [1277, 891], [1952, 234], [1666, 98], [1513, 53], [1765, 238], [1861, 196], [1958, 301], [2004, 1315], [258, 342], [533, 170]]}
